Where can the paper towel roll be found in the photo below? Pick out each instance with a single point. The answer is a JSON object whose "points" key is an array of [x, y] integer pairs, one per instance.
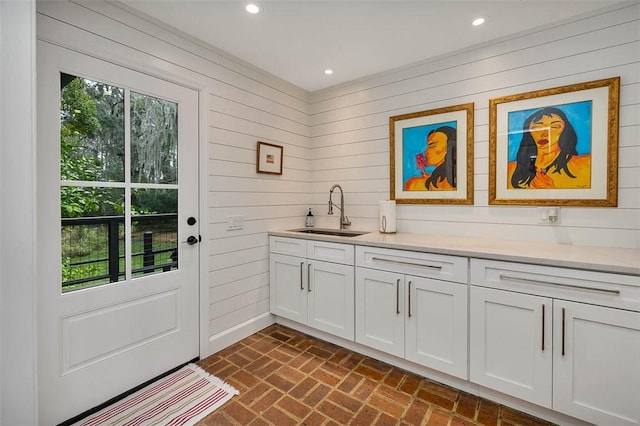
{"points": [[387, 222]]}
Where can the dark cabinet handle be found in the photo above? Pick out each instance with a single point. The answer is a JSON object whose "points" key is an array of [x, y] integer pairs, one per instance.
{"points": [[398, 296], [301, 264], [543, 327], [309, 277], [409, 299], [563, 331]]}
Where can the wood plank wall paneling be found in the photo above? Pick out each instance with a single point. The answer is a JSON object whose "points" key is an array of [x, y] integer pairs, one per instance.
{"points": [[340, 135], [244, 105], [349, 130]]}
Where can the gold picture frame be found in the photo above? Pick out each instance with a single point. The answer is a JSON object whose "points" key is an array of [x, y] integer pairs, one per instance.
{"points": [[556, 146], [269, 158], [431, 156]]}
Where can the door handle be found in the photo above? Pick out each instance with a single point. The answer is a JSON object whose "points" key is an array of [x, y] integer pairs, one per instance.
{"points": [[309, 277], [400, 262], [192, 239], [569, 286]]}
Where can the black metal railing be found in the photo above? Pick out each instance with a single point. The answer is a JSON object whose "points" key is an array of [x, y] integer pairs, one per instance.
{"points": [[146, 230]]}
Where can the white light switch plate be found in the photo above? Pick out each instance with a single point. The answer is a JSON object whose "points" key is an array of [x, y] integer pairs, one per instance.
{"points": [[235, 222]]}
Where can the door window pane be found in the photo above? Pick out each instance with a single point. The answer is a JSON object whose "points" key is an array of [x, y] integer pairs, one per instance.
{"points": [[92, 236], [91, 130], [154, 140], [154, 231], [94, 154], [92, 150]]}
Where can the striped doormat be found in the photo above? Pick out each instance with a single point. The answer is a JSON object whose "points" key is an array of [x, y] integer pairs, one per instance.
{"points": [[182, 398]]}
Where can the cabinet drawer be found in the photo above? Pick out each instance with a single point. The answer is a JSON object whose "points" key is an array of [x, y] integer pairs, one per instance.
{"points": [[448, 268], [599, 288], [330, 252], [290, 246]]}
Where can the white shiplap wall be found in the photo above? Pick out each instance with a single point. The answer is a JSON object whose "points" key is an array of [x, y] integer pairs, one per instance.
{"points": [[345, 139], [242, 105], [350, 140]]}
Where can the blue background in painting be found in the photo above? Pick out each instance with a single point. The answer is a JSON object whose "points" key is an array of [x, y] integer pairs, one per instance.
{"points": [[578, 113], [414, 142]]}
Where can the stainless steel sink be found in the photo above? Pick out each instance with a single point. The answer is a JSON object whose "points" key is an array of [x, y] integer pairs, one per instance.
{"points": [[335, 232]]}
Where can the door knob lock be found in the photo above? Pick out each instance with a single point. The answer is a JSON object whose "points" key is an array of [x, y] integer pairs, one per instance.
{"points": [[192, 239]]}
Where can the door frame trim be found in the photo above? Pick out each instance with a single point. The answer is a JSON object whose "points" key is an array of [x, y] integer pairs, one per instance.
{"points": [[203, 205]]}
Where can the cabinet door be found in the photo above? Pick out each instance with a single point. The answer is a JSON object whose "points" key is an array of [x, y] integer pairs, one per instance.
{"points": [[510, 343], [596, 363], [436, 325], [379, 310], [288, 293], [330, 291]]}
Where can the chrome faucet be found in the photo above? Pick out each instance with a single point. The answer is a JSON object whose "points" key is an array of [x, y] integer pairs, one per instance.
{"points": [[344, 220]]}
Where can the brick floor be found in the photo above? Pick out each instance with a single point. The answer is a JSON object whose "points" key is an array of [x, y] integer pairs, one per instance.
{"points": [[289, 378]]}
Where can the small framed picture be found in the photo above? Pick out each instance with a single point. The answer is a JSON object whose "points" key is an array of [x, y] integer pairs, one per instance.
{"points": [[432, 156], [555, 146], [269, 158]]}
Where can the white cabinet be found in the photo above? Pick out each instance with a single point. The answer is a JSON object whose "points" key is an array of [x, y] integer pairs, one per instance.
{"points": [[288, 278], [510, 343], [436, 325], [330, 301], [564, 339], [560, 338], [312, 282], [596, 365], [413, 305], [380, 310]]}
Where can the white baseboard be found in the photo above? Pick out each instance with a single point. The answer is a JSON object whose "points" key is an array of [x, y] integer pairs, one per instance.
{"points": [[237, 333]]}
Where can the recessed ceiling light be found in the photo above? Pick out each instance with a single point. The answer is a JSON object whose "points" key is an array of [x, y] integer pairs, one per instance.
{"points": [[478, 21], [252, 8], [328, 71]]}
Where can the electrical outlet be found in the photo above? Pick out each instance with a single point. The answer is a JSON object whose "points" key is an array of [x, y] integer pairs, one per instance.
{"points": [[235, 223], [549, 215]]}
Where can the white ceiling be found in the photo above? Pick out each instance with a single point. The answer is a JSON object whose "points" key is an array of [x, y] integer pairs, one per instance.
{"points": [[297, 39]]}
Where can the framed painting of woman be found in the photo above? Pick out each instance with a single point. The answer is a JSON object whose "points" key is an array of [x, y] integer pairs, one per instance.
{"points": [[431, 156], [555, 146]]}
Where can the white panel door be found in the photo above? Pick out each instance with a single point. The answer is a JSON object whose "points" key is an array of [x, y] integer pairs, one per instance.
{"points": [[510, 343], [331, 294], [118, 283], [288, 287], [596, 363], [380, 310], [436, 325]]}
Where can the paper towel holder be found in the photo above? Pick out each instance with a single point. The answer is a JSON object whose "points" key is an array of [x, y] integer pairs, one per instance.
{"points": [[387, 218], [384, 226]]}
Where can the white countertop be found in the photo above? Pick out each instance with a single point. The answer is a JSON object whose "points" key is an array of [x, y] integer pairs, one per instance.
{"points": [[601, 259]]}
